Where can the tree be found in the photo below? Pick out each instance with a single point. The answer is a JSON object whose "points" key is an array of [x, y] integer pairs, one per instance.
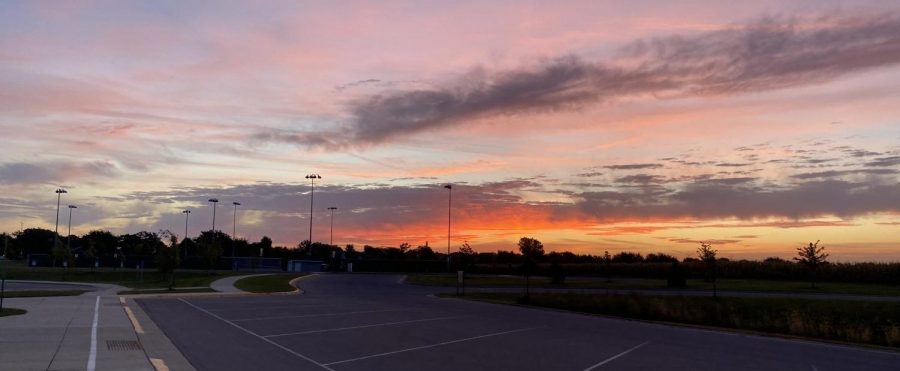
{"points": [[103, 241], [812, 257], [467, 256], [11, 249], [211, 250], [35, 240], [404, 247], [167, 258], [708, 256], [628, 257], [531, 250], [660, 258]]}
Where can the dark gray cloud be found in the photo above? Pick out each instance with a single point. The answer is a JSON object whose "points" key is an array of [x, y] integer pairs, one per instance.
{"points": [[841, 173], [634, 166], [885, 161], [641, 179], [42, 173], [771, 53], [748, 201]]}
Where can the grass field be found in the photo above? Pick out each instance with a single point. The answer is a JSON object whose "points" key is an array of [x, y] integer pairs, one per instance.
{"points": [[11, 312], [125, 277], [42, 293], [641, 283], [874, 323], [269, 283]]}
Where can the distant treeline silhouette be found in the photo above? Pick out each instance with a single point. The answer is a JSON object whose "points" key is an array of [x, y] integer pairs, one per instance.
{"points": [[205, 251]]}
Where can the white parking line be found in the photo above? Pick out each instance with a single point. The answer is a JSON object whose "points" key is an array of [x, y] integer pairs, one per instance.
{"points": [[92, 357], [317, 315], [430, 346], [616, 356], [211, 314], [280, 307], [359, 327]]}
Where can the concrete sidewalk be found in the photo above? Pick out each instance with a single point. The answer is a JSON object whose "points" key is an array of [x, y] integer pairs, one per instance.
{"points": [[87, 332], [227, 284]]}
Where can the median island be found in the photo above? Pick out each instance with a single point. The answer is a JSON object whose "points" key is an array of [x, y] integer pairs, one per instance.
{"points": [[270, 283]]}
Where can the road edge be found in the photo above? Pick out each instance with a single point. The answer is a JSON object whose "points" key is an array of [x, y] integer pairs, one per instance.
{"points": [[159, 349]]}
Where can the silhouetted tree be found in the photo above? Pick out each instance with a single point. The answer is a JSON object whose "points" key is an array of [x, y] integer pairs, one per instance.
{"points": [[467, 256], [812, 257], [627, 257], [35, 240], [11, 249], [167, 257], [103, 241], [660, 258], [531, 250], [708, 256]]}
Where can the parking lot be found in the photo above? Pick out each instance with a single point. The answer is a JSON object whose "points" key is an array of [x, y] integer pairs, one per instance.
{"points": [[371, 322]]}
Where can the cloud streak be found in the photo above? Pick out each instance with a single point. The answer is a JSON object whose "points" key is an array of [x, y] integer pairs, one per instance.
{"points": [[769, 54]]}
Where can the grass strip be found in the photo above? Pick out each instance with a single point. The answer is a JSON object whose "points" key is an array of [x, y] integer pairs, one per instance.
{"points": [[42, 293], [646, 283], [11, 312], [128, 277], [269, 283], [874, 323]]}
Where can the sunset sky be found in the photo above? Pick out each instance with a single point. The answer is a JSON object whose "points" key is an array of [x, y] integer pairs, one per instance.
{"points": [[597, 125]]}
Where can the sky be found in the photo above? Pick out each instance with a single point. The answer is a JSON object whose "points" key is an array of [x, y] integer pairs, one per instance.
{"points": [[645, 126]]}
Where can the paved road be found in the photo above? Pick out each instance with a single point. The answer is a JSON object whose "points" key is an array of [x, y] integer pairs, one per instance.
{"points": [[371, 322]]}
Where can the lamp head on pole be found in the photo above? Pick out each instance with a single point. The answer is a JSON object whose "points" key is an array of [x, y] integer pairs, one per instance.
{"points": [[73, 207], [332, 208], [448, 186], [313, 176], [236, 203], [214, 200], [60, 190], [185, 211]]}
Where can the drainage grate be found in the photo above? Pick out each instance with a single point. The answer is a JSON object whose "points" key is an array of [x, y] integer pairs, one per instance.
{"points": [[123, 345]]}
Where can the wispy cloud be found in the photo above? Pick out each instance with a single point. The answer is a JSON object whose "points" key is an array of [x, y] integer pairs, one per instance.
{"points": [[768, 54]]}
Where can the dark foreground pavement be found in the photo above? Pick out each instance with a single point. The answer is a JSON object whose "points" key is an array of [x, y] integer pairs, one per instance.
{"points": [[371, 322]]}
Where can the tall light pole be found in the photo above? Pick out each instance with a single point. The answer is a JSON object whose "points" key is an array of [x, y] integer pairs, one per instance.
{"points": [[59, 192], [312, 181], [332, 225], [68, 236], [187, 214], [449, 205], [234, 228], [214, 201]]}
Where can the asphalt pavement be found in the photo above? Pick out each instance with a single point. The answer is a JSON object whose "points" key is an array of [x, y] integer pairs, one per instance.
{"points": [[374, 322]]}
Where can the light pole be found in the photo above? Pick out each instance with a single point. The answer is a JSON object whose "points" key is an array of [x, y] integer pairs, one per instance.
{"points": [[214, 201], [312, 181], [59, 192], [332, 225], [234, 233], [68, 236], [449, 204], [187, 214]]}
